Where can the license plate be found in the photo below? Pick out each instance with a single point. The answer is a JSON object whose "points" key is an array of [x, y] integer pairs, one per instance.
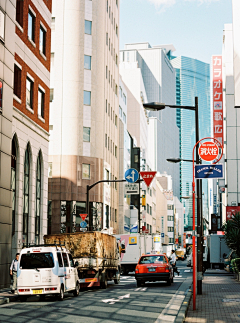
{"points": [[151, 269], [37, 291]]}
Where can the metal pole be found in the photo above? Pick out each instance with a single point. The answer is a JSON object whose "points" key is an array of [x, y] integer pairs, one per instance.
{"points": [[199, 210], [87, 209]]}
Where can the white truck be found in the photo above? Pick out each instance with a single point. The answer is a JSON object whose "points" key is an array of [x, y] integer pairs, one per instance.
{"points": [[132, 246]]}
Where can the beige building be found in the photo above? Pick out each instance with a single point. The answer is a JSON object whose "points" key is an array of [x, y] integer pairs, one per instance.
{"points": [[161, 213], [84, 114]]}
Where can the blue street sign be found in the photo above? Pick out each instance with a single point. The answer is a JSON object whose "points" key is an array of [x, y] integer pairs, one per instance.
{"points": [[134, 229], [209, 171], [162, 235], [83, 224], [131, 175]]}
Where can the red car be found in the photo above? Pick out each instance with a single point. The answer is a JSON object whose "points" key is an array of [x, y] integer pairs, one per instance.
{"points": [[154, 267]]}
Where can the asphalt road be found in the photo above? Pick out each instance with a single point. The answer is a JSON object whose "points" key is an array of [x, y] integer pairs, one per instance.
{"points": [[125, 302]]}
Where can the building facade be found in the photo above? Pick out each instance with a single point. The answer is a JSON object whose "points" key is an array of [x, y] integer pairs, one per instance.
{"points": [[192, 80], [25, 122], [84, 114]]}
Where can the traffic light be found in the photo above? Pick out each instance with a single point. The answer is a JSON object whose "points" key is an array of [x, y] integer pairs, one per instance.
{"points": [[144, 200]]}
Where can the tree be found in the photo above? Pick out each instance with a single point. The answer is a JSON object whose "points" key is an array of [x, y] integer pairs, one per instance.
{"points": [[232, 233]]}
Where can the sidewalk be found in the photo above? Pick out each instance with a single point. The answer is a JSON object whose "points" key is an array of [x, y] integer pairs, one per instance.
{"points": [[219, 302], [6, 296]]}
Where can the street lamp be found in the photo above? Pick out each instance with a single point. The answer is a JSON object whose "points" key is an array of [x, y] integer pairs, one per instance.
{"points": [[155, 106]]}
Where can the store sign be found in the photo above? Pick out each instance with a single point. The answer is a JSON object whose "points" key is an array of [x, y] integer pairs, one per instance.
{"points": [[231, 211], [217, 98], [208, 151]]}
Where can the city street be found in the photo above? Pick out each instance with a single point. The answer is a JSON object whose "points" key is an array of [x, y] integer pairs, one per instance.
{"points": [[118, 303]]}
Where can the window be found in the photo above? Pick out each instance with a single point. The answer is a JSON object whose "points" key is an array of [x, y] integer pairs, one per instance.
{"points": [[107, 5], [105, 140], [162, 224], [116, 89], [171, 240], [108, 142], [170, 229], [111, 145], [1, 93], [85, 171], [37, 260], [116, 60], [71, 260], [42, 40], [115, 183], [38, 200], [116, 151], [109, 109], [65, 260], [109, 44], [50, 169], [117, 30], [41, 96], [113, 148], [124, 117], [111, 113], [59, 256], [31, 26], [115, 215], [86, 134], [115, 120], [2, 25], [147, 208], [13, 181], [150, 210], [107, 175], [19, 12], [106, 72], [87, 62], [88, 27], [117, 3], [29, 94], [107, 39], [170, 218], [26, 195], [87, 98], [120, 111], [17, 81], [170, 207], [51, 95]]}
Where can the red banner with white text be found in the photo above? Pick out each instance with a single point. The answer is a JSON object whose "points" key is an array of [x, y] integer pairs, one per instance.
{"points": [[217, 98]]}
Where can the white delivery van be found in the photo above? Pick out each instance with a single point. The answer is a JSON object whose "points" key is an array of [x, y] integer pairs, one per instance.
{"points": [[45, 270]]}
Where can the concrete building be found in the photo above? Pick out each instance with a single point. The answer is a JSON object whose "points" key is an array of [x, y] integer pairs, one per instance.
{"points": [[150, 75], [25, 88], [161, 214], [192, 79], [84, 113]]}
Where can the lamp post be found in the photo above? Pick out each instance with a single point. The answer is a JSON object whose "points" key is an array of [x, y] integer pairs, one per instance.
{"points": [[155, 106]]}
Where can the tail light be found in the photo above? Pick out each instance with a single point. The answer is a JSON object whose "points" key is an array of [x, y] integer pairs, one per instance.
{"points": [[167, 269], [136, 270], [51, 288], [23, 290]]}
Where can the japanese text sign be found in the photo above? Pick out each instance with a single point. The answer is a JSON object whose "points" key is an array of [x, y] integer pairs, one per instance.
{"points": [[147, 177], [208, 151], [217, 98]]}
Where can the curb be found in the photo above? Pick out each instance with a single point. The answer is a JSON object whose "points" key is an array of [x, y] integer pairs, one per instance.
{"points": [[184, 308]]}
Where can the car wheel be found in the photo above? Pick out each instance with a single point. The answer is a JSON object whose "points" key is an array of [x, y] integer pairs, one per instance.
{"points": [[172, 280], [104, 282], [117, 280], [61, 294], [169, 282], [23, 298], [139, 283], [76, 290]]}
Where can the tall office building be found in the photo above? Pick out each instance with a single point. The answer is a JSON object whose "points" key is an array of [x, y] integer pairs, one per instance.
{"points": [[150, 76], [84, 114], [192, 79]]}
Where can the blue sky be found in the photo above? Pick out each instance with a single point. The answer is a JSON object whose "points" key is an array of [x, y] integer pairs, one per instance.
{"points": [[194, 27]]}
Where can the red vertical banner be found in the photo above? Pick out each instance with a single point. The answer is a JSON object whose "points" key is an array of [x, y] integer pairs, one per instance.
{"points": [[217, 98]]}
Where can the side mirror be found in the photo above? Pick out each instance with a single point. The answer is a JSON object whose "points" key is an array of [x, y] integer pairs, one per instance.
{"points": [[123, 251], [76, 264]]}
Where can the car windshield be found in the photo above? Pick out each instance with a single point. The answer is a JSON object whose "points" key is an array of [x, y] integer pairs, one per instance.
{"points": [[152, 259], [36, 260]]}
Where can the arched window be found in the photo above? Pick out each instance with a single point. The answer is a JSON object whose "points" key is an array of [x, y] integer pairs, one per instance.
{"points": [[13, 182], [26, 196], [38, 200]]}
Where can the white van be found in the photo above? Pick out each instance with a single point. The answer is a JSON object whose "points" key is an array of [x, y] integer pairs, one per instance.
{"points": [[45, 270]]}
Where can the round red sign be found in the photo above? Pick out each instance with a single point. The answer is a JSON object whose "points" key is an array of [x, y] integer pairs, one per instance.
{"points": [[208, 151]]}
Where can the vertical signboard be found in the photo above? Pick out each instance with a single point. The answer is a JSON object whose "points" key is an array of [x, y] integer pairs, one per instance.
{"points": [[231, 211], [217, 98]]}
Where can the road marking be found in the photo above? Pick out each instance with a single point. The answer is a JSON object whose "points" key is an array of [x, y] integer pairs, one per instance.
{"points": [[114, 300]]}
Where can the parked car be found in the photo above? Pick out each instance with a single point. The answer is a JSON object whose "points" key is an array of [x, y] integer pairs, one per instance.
{"points": [[153, 267], [227, 261], [46, 270]]}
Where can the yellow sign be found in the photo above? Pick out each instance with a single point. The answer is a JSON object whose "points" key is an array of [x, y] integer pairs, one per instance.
{"points": [[90, 280], [132, 240], [156, 239]]}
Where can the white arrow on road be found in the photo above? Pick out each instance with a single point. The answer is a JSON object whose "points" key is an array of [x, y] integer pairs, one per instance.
{"points": [[114, 300]]}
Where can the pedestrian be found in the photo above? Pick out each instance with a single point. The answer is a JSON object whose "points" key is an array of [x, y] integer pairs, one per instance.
{"points": [[13, 273], [173, 261]]}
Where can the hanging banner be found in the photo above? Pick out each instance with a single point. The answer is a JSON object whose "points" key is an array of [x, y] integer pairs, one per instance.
{"points": [[217, 98]]}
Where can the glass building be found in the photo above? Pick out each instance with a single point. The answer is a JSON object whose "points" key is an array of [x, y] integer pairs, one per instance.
{"points": [[192, 79]]}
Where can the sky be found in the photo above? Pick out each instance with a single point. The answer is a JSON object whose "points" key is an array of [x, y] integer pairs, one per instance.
{"points": [[194, 27]]}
